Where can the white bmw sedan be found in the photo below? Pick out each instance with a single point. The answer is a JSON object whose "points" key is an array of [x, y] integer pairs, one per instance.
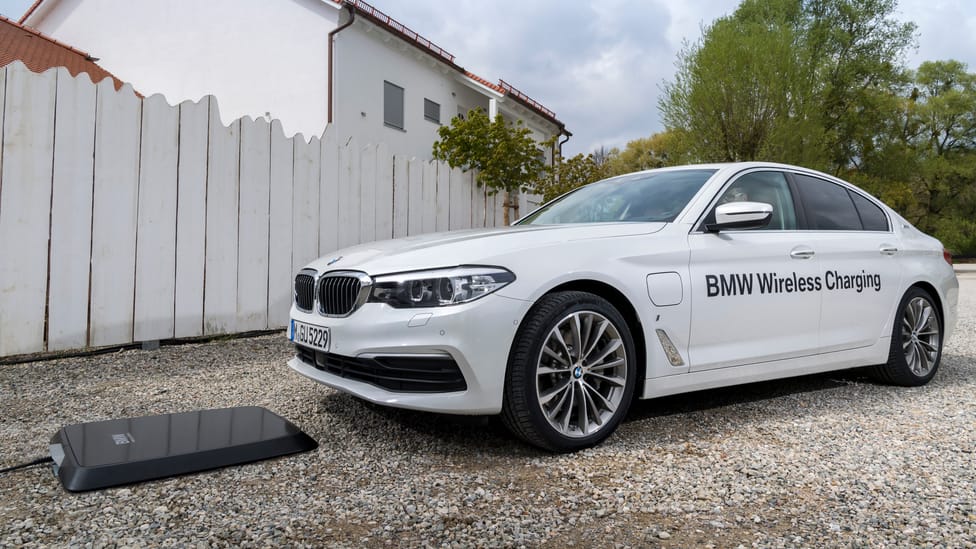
{"points": [[638, 286]]}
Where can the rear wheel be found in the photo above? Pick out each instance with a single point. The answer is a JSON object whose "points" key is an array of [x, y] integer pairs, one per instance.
{"points": [[916, 342], [571, 373]]}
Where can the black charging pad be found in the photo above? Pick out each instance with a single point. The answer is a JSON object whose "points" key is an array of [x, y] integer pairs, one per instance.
{"points": [[89, 456]]}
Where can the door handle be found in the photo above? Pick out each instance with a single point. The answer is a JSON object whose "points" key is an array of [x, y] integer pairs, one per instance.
{"points": [[888, 249], [802, 252]]}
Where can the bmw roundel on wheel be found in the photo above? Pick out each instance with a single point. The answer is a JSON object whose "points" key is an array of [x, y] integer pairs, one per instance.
{"points": [[639, 286]]}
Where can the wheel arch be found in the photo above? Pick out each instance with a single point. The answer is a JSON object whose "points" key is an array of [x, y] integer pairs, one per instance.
{"points": [[932, 291], [626, 308]]}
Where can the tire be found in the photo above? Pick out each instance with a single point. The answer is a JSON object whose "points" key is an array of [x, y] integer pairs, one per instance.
{"points": [[553, 398], [916, 342]]}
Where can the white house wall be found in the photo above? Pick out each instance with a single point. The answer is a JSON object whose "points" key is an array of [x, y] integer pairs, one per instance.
{"points": [[256, 58], [366, 56], [263, 57]]}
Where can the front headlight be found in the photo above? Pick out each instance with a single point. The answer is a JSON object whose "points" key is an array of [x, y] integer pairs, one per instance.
{"points": [[438, 287]]}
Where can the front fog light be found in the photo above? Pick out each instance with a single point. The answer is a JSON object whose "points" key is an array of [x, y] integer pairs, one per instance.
{"points": [[438, 287]]}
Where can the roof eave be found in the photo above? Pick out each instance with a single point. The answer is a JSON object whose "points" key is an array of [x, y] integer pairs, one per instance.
{"points": [[30, 11]]}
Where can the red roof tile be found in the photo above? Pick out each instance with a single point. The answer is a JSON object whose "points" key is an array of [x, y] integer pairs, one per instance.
{"points": [[482, 81], [40, 52]]}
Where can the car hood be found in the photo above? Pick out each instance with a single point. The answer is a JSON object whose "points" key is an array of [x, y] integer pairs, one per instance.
{"points": [[467, 247]]}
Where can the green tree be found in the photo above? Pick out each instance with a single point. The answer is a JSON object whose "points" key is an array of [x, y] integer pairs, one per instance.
{"points": [[505, 155], [922, 160], [645, 153], [855, 51], [801, 81], [942, 136], [738, 85], [566, 175]]}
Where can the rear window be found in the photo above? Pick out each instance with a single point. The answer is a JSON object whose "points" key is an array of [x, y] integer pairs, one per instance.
{"points": [[828, 206], [873, 218]]}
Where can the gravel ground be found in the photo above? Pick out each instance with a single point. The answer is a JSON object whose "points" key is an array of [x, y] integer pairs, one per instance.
{"points": [[832, 460]]}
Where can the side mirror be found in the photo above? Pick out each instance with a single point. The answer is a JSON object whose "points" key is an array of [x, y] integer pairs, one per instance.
{"points": [[741, 215]]}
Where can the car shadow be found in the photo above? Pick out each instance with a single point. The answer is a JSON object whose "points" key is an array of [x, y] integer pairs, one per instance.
{"points": [[410, 430], [708, 399], [427, 431], [446, 433]]}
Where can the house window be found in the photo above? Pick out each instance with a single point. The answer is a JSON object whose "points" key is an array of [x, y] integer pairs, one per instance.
{"points": [[432, 111], [392, 105]]}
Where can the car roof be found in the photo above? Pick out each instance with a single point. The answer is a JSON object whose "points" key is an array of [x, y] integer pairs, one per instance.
{"points": [[726, 167]]}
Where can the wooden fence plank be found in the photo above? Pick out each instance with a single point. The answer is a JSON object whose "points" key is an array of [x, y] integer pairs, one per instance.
{"points": [[223, 194], [349, 196], [252, 251], [280, 227], [430, 201], [415, 200], [500, 208], [71, 213], [305, 224], [114, 212], [460, 217], [443, 197], [329, 193], [489, 208], [367, 193], [25, 201], [527, 203], [401, 197], [155, 293], [479, 208], [384, 193], [191, 217]]}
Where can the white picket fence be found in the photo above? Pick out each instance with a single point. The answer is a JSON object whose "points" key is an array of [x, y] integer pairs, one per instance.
{"points": [[125, 219]]}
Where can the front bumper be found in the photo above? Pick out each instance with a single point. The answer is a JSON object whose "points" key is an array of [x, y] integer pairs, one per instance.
{"points": [[476, 336]]}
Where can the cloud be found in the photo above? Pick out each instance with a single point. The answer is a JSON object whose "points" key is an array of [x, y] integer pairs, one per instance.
{"points": [[946, 30], [597, 64]]}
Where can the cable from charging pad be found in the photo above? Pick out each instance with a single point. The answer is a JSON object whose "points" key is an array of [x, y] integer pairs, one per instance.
{"points": [[38, 461]]}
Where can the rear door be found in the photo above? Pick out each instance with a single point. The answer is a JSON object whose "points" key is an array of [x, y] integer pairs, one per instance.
{"points": [[858, 255]]}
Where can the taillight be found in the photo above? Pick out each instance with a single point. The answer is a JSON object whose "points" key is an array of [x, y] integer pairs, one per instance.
{"points": [[947, 256]]}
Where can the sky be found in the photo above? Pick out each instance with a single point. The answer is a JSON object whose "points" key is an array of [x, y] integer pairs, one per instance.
{"points": [[601, 64]]}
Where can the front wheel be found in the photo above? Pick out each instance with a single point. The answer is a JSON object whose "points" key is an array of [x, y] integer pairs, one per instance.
{"points": [[916, 342], [571, 373]]}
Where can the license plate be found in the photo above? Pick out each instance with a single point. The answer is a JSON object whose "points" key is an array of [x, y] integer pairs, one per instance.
{"points": [[316, 337]]}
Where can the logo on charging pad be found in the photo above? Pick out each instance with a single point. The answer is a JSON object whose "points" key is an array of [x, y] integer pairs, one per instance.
{"points": [[124, 438]]}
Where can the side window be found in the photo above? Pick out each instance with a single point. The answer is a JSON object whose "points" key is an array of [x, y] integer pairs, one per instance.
{"points": [[767, 187], [392, 105], [872, 217], [828, 206]]}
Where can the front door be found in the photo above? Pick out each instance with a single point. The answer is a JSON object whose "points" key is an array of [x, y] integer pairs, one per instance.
{"points": [[756, 294]]}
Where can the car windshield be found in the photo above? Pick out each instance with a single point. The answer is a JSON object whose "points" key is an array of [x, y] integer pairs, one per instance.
{"points": [[642, 197]]}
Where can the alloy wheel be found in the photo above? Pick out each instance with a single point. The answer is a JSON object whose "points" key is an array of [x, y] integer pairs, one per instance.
{"points": [[581, 373]]}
